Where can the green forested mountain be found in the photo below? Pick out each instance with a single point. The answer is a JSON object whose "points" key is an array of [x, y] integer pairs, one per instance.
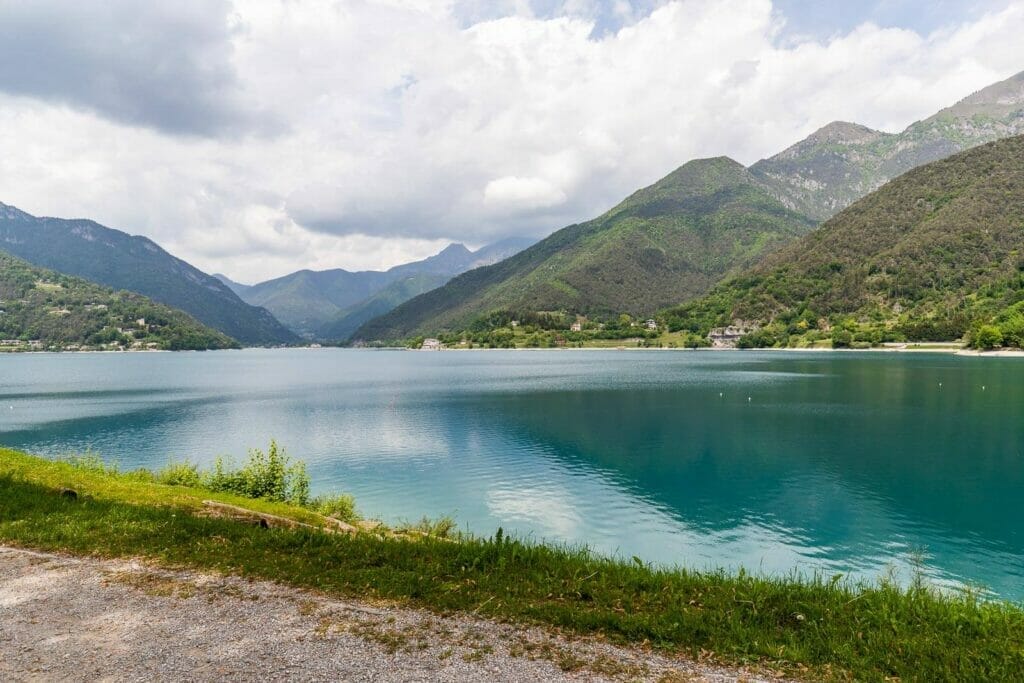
{"points": [[40, 308], [703, 226], [665, 243], [842, 162], [934, 254], [115, 259], [331, 304], [348, 320]]}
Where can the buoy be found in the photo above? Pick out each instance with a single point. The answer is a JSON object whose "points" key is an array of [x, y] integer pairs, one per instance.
{"points": [[720, 394], [748, 399]]}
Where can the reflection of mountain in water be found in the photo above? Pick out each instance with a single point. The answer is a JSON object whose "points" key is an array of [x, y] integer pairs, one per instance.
{"points": [[836, 459]]}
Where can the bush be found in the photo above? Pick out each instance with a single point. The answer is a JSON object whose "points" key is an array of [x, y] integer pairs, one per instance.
{"points": [[842, 339], [987, 337], [271, 475], [341, 507]]}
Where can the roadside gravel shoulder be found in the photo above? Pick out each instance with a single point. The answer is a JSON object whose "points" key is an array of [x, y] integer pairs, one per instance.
{"points": [[68, 618]]}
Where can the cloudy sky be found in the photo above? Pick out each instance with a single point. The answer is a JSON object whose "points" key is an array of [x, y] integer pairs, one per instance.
{"points": [[257, 137]]}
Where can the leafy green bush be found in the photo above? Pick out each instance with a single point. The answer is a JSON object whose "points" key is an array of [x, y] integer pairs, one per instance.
{"points": [[271, 475], [987, 337], [842, 339]]}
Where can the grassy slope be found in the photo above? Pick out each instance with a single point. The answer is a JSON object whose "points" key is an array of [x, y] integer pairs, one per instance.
{"points": [[52, 307], [943, 240], [821, 628], [667, 242], [115, 259]]}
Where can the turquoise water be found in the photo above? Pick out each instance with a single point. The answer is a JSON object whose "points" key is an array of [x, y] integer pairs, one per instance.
{"points": [[854, 463]]}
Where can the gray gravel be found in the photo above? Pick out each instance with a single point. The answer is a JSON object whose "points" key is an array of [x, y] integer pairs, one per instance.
{"points": [[64, 618]]}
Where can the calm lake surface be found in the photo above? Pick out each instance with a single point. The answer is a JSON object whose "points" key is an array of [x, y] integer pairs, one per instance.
{"points": [[853, 463]]}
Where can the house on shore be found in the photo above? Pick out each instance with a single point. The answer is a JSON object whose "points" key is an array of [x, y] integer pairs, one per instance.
{"points": [[432, 345], [728, 337]]}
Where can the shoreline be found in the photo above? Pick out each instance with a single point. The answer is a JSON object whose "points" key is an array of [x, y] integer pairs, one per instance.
{"points": [[922, 347]]}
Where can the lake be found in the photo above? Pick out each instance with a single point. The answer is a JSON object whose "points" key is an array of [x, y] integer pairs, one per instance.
{"points": [[854, 463]]}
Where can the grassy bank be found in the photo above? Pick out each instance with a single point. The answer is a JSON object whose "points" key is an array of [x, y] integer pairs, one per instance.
{"points": [[821, 628]]}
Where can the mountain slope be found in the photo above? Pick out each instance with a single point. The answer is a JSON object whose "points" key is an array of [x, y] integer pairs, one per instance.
{"points": [[396, 293], [666, 242], [331, 304], [48, 309], [842, 162], [121, 261], [931, 255], [236, 287]]}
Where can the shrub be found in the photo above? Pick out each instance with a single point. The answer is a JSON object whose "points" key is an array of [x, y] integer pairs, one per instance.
{"points": [[179, 474], [842, 339], [271, 475], [987, 337], [341, 507]]}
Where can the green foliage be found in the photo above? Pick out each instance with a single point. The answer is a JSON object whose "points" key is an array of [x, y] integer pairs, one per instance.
{"points": [[929, 256], [339, 506], [271, 475], [667, 242], [59, 310], [179, 474], [817, 627], [85, 249], [444, 527], [842, 339], [987, 337]]}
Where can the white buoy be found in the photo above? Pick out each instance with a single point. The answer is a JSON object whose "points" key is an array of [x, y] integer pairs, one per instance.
{"points": [[749, 399], [720, 394]]}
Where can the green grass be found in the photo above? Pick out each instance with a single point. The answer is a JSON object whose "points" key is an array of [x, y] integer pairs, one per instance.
{"points": [[818, 628]]}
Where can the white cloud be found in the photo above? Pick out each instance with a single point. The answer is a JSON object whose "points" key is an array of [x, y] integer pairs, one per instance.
{"points": [[407, 123], [513, 194]]}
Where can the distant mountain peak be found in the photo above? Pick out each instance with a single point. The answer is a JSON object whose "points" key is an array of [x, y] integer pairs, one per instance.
{"points": [[845, 132], [454, 248]]}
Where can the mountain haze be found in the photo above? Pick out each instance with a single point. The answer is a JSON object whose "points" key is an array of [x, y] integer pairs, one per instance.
{"points": [[116, 259], [330, 304], [665, 243]]}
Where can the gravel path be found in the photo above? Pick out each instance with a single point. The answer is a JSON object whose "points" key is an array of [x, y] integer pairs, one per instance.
{"points": [[64, 618]]}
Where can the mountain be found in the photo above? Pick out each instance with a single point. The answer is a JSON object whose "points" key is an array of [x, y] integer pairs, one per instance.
{"points": [[115, 259], [842, 162], [633, 260], [236, 287], [41, 308], [350, 319], [332, 303], [932, 255], [665, 243]]}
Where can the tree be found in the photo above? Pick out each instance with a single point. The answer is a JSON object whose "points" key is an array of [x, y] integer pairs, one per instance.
{"points": [[987, 337], [841, 339]]}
